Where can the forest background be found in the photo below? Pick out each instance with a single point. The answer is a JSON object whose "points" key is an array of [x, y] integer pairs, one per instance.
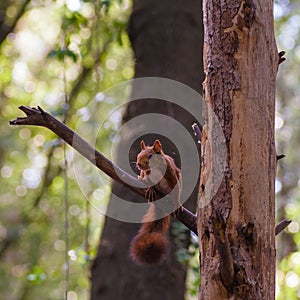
{"points": [[50, 49]]}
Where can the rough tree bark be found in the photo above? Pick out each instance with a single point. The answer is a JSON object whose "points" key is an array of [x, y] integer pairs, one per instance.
{"points": [[167, 39], [236, 229]]}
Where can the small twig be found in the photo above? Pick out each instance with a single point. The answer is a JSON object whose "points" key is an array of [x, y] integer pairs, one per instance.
{"points": [[38, 117], [278, 157], [223, 247], [197, 132], [281, 58], [281, 226]]}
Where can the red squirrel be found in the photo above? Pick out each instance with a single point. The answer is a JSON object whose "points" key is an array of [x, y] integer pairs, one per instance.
{"points": [[158, 171]]}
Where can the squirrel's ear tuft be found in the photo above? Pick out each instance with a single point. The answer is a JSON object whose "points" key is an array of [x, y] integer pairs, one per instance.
{"points": [[142, 144], [157, 146]]}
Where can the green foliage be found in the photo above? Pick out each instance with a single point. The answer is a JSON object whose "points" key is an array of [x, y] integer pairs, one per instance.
{"points": [[188, 256], [61, 54], [54, 48], [37, 275]]}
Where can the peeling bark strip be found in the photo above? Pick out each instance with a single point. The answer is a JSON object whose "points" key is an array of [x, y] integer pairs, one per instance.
{"points": [[236, 229], [38, 117]]}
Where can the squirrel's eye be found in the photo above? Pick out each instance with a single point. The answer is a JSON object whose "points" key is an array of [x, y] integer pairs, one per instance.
{"points": [[149, 156]]}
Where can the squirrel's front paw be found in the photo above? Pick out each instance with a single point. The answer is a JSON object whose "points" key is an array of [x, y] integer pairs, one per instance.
{"points": [[150, 194], [177, 210]]}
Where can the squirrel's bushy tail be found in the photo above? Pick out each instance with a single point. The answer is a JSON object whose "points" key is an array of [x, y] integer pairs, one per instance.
{"points": [[150, 245]]}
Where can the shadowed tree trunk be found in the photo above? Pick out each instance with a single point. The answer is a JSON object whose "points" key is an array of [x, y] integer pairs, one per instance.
{"points": [[236, 228], [7, 26], [167, 39]]}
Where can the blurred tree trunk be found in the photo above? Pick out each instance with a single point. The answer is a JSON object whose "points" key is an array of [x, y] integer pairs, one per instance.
{"points": [[236, 228], [7, 25], [167, 39]]}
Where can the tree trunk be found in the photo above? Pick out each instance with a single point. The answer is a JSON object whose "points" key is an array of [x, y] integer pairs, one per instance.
{"points": [[167, 39], [236, 227]]}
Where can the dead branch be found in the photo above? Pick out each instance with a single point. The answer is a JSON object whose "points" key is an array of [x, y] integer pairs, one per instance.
{"points": [[281, 57], [197, 132], [38, 117], [278, 157], [282, 225]]}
